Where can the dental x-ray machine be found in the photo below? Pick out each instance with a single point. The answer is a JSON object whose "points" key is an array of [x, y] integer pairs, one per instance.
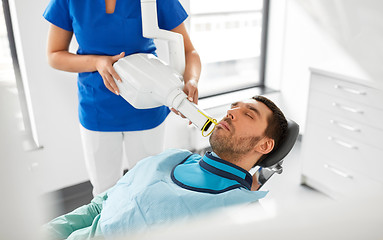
{"points": [[148, 82]]}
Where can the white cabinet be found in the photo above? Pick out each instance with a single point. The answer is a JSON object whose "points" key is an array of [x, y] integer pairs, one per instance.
{"points": [[341, 151]]}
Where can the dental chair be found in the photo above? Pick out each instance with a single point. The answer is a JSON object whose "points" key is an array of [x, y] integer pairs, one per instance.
{"points": [[273, 163]]}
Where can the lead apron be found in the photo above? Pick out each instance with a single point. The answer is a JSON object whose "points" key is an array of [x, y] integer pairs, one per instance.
{"points": [[210, 175]]}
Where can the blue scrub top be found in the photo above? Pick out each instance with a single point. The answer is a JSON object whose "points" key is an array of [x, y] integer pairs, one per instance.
{"points": [[100, 33]]}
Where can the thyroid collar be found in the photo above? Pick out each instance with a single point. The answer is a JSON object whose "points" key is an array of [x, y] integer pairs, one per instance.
{"points": [[210, 174]]}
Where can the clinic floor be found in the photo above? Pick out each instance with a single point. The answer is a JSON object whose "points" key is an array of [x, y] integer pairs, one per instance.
{"points": [[285, 190]]}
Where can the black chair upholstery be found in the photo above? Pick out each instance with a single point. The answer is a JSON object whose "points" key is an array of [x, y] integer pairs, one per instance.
{"points": [[273, 163]]}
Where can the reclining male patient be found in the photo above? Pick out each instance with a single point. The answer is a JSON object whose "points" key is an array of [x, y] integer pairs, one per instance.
{"points": [[177, 184]]}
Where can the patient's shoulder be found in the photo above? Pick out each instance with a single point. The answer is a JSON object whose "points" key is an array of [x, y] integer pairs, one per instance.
{"points": [[169, 157], [174, 153]]}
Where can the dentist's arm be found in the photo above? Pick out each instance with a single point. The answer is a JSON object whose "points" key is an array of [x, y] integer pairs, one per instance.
{"points": [[192, 66], [60, 58]]}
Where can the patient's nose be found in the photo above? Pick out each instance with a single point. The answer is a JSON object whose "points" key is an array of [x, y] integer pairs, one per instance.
{"points": [[231, 114]]}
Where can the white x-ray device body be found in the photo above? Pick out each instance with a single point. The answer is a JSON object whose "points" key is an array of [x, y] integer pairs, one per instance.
{"points": [[148, 82]]}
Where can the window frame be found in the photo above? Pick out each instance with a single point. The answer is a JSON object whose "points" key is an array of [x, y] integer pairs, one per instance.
{"points": [[31, 142], [263, 57]]}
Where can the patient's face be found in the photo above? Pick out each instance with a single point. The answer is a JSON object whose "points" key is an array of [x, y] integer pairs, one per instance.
{"points": [[241, 129]]}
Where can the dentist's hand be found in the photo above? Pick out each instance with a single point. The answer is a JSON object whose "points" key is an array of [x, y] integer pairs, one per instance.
{"points": [[104, 66], [191, 90]]}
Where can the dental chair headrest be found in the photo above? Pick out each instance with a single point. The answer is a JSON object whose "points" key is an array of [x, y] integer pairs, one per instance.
{"points": [[285, 146]]}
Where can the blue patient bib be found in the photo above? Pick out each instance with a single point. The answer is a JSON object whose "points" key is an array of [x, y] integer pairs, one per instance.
{"points": [[210, 174]]}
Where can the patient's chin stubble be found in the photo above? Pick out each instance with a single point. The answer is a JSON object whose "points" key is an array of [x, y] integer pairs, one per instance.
{"points": [[231, 146]]}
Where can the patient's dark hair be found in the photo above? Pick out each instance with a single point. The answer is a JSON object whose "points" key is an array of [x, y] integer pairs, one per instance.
{"points": [[276, 125]]}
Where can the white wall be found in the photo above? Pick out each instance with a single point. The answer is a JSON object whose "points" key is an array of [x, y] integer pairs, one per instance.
{"points": [[54, 102], [20, 205], [342, 36]]}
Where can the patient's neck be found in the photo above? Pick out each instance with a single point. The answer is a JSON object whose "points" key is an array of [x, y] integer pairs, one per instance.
{"points": [[245, 161]]}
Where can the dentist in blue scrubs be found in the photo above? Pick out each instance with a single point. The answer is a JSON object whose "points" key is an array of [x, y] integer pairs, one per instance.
{"points": [[107, 30]]}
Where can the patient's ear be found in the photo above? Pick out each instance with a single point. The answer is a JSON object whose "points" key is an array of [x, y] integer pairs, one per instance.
{"points": [[265, 145]]}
